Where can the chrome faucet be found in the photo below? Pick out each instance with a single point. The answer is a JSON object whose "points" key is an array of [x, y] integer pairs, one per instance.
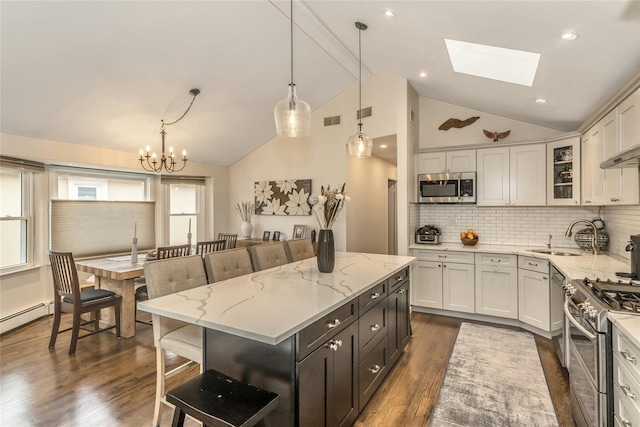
{"points": [[594, 238]]}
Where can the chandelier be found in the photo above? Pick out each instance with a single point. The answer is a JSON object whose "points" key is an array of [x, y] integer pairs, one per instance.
{"points": [[167, 162]]}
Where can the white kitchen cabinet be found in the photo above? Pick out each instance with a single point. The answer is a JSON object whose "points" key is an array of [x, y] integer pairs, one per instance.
{"points": [[446, 162], [458, 287], [592, 175], [533, 298], [510, 176], [497, 285], [626, 379], [563, 172], [427, 284]]}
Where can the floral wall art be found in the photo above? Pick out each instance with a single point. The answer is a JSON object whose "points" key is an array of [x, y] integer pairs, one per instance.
{"points": [[288, 197]]}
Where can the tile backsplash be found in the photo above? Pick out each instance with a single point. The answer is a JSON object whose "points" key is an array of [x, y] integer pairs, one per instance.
{"points": [[529, 226]]}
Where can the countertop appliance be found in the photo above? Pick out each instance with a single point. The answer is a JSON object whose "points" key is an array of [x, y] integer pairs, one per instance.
{"points": [[428, 235], [447, 187], [590, 344]]}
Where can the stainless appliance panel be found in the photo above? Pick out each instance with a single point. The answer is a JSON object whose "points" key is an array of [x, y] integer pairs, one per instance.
{"points": [[585, 396]]}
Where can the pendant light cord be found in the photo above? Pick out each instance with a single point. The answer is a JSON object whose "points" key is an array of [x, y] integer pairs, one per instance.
{"points": [[291, 19], [360, 79], [193, 92]]}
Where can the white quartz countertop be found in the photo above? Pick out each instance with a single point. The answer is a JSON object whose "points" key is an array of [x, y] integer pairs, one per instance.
{"points": [[271, 305], [603, 266], [629, 325]]}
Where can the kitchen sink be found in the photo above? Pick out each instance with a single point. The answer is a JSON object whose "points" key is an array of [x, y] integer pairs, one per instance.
{"points": [[554, 252]]}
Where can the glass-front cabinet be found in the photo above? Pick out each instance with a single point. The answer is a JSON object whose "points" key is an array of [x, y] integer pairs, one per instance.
{"points": [[563, 172]]}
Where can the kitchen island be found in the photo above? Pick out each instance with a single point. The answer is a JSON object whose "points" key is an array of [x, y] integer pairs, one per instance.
{"points": [[323, 341]]}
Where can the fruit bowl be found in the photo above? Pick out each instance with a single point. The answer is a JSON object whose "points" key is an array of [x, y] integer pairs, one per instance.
{"points": [[469, 242]]}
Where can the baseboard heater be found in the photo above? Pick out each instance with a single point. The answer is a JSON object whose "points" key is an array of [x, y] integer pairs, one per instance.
{"points": [[23, 317]]}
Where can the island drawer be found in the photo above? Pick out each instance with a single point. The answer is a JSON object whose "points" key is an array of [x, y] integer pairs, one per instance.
{"points": [[625, 388], [372, 328], [497, 259], [321, 330], [441, 256], [371, 372], [533, 264], [397, 278], [626, 352], [372, 297]]}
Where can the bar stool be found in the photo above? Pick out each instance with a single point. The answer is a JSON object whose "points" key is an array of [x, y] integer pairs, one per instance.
{"points": [[219, 401]]}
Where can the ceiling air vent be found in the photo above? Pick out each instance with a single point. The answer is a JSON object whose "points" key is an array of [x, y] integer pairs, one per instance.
{"points": [[332, 121], [365, 112]]}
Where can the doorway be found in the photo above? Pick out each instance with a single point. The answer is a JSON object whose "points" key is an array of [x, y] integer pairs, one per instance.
{"points": [[392, 218]]}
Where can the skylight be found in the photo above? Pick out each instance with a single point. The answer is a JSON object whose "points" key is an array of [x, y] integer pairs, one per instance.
{"points": [[497, 63]]}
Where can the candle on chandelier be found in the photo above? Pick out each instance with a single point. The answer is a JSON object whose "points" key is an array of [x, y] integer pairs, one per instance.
{"points": [[189, 225]]}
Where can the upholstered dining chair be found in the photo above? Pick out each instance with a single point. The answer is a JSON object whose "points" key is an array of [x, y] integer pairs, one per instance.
{"points": [[230, 238], [268, 255], [69, 299], [203, 248], [224, 265], [168, 276], [164, 252], [299, 249]]}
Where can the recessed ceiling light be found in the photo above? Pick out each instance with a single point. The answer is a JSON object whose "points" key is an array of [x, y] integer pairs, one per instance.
{"points": [[491, 62], [389, 13], [541, 101], [423, 75], [569, 35], [383, 145]]}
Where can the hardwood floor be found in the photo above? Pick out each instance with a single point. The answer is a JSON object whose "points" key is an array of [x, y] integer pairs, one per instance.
{"points": [[111, 382]]}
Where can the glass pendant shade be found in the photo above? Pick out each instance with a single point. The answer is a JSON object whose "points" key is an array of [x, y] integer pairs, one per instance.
{"points": [[360, 145], [293, 115]]}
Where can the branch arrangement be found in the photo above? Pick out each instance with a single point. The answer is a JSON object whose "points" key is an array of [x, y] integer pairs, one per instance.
{"points": [[245, 209]]}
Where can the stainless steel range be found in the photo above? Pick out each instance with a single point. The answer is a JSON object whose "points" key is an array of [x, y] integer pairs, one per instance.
{"points": [[590, 347]]}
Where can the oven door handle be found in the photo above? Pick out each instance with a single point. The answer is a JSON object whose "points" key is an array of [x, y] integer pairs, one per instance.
{"points": [[575, 323]]}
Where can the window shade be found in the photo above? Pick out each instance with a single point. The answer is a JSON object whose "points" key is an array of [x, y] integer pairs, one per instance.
{"points": [[20, 164], [92, 228], [193, 180]]}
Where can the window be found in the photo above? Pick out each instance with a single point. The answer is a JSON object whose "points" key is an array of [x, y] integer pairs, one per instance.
{"points": [[185, 212], [16, 222], [79, 184]]}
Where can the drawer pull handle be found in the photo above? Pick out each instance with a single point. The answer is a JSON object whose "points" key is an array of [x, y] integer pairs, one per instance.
{"points": [[375, 369], [535, 264], [495, 260], [334, 344], [627, 423], [442, 256], [544, 277], [333, 323], [627, 356], [627, 391], [374, 295], [399, 278], [374, 327], [401, 291]]}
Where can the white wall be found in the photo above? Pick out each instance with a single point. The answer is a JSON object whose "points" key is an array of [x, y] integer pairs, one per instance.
{"points": [[433, 113], [321, 157], [21, 290]]}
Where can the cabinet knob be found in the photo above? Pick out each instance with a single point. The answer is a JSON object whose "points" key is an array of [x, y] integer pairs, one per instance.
{"points": [[375, 369], [544, 277], [333, 323], [401, 291], [575, 202], [375, 295], [628, 357], [334, 344], [374, 328]]}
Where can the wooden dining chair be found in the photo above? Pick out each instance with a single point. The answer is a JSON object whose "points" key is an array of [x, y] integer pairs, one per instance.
{"points": [[299, 249], [164, 252], [164, 277], [230, 238], [68, 298], [202, 248], [224, 265], [268, 255]]}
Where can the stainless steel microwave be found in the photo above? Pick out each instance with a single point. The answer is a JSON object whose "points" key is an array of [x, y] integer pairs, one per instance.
{"points": [[447, 187]]}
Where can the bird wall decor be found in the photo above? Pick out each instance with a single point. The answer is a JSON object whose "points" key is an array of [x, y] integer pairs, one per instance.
{"points": [[496, 135], [457, 123]]}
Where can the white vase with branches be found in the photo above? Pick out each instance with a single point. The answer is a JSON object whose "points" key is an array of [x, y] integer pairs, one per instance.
{"points": [[245, 210]]}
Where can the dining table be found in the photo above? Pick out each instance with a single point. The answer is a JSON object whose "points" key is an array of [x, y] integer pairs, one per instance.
{"points": [[117, 274]]}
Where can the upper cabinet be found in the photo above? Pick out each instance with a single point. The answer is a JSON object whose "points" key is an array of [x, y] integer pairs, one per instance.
{"points": [[511, 176], [446, 162], [615, 132], [563, 172]]}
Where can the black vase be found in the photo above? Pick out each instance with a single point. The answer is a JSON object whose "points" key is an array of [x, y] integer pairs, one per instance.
{"points": [[326, 251]]}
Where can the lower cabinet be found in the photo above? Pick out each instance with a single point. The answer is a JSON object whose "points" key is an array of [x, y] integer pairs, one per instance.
{"points": [[399, 324], [427, 280], [497, 285], [533, 299], [458, 287], [328, 382]]}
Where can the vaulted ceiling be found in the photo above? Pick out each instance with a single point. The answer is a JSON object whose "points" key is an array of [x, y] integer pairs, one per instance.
{"points": [[104, 73]]}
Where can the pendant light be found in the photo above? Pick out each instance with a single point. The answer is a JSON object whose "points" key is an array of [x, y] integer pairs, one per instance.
{"points": [[359, 144], [293, 115], [167, 162]]}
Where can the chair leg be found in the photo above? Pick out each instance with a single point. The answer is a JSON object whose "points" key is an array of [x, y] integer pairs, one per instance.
{"points": [[75, 332], [96, 320], [178, 418], [157, 411], [117, 314], [55, 328]]}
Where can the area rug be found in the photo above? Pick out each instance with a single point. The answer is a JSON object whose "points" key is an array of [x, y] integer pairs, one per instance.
{"points": [[494, 378]]}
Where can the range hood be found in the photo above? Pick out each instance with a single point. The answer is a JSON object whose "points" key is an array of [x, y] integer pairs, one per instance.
{"points": [[626, 158]]}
